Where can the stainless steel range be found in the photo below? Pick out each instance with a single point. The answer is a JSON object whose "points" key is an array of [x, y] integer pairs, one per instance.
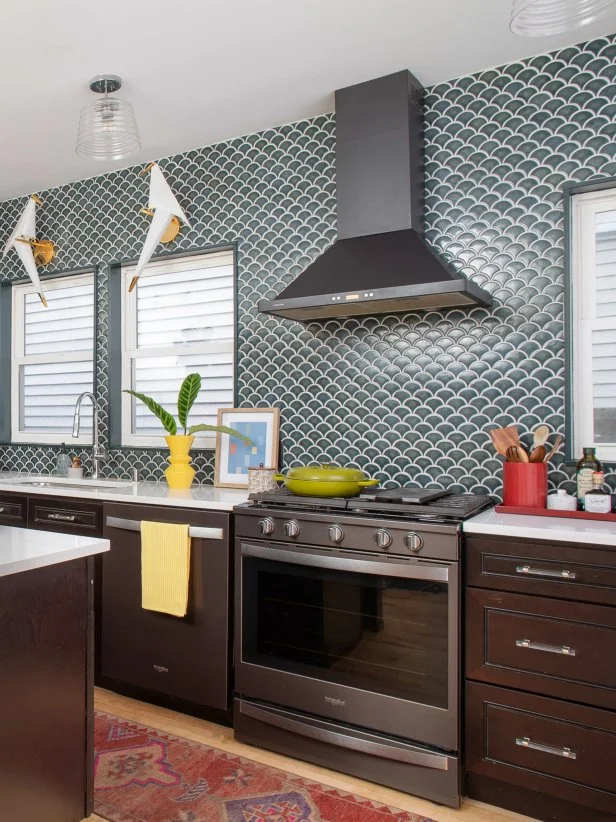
{"points": [[347, 644]]}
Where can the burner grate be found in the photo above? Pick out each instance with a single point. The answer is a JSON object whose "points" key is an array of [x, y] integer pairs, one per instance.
{"points": [[410, 503]]}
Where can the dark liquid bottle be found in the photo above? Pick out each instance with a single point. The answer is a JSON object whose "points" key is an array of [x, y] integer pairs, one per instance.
{"points": [[598, 501], [586, 467]]}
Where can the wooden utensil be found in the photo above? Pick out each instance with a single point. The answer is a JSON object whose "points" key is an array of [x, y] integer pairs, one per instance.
{"points": [[516, 453], [538, 454], [557, 443], [540, 437], [504, 438]]}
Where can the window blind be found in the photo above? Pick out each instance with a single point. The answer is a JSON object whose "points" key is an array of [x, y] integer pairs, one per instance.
{"points": [[181, 320], [52, 358], [604, 340]]}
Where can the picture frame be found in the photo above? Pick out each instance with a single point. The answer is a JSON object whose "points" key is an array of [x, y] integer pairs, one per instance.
{"points": [[234, 456]]}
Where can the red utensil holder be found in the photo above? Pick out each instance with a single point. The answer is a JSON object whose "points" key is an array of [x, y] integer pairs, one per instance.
{"points": [[525, 484]]}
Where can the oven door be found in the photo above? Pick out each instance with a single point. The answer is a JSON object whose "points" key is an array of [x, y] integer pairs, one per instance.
{"points": [[365, 639]]}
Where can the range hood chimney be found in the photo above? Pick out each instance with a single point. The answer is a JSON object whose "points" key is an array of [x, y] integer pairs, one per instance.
{"points": [[380, 262]]}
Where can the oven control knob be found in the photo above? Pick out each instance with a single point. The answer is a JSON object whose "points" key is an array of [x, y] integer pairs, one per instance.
{"points": [[267, 525], [382, 538], [291, 528], [413, 541], [335, 533]]}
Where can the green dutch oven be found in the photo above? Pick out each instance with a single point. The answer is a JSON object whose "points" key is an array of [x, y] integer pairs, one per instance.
{"points": [[325, 480]]}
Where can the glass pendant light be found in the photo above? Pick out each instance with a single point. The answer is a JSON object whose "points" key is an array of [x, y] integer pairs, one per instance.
{"points": [[107, 126], [538, 18]]}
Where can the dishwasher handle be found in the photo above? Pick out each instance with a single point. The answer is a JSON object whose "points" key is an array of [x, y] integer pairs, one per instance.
{"points": [[194, 531]]}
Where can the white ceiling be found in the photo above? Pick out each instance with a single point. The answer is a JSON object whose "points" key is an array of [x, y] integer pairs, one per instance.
{"points": [[199, 71]]}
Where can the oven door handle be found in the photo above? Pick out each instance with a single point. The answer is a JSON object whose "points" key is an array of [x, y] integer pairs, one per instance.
{"points": [[399, 753], [433, 573]]}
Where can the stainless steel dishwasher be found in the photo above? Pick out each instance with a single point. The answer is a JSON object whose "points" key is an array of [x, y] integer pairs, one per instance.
{"points": [[187, 658]]}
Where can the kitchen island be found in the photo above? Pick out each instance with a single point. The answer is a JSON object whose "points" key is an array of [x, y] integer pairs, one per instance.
{"points": [[46, 675]]}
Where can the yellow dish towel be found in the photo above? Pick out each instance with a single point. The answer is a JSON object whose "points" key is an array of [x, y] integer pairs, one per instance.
{"points": [[165, 567]]}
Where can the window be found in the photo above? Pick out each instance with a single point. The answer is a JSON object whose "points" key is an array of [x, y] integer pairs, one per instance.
{"points": [[52, 359], [593, 268], [179, 318]]}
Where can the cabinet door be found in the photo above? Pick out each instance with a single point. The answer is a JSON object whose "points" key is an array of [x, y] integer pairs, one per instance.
{"points": [[185, 658], [45, 755]]}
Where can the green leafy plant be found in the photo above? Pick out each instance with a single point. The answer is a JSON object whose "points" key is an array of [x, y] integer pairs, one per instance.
{"points": [[189, 390]]}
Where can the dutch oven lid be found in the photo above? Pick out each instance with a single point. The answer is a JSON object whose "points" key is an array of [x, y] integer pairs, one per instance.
{"points": [[327, 472]]}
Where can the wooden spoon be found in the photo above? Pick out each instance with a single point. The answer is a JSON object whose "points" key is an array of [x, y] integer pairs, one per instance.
{"points": [[538, 454], [557, 443], [516, 453], [540, 437], [503, 438]]}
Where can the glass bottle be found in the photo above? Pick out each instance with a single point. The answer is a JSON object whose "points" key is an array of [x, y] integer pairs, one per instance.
{"points": [[586, 467], [598, 500]]}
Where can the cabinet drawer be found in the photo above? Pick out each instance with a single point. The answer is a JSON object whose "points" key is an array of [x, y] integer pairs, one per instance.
{"points": [[70, 516], [543, 645], [12, 510], [561, 570], [545, 745]]}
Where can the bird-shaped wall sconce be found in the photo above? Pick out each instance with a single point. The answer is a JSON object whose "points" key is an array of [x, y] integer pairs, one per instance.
{"points": [[32, 252], [166, 214]]}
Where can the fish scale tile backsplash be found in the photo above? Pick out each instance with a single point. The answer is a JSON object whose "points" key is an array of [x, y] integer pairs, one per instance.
{"points": [[406, 398]]}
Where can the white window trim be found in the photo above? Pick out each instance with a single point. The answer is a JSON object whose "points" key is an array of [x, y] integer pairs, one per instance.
{"points": [[18, 358], [584, 320], [130, 351]]}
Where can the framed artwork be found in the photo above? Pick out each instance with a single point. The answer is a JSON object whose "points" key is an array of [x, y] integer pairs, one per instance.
{"points": [[234, 456]]}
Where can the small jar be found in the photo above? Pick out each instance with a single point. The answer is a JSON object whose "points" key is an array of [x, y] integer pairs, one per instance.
{"points": [[562, 501], [76, 469], [261, 479]]}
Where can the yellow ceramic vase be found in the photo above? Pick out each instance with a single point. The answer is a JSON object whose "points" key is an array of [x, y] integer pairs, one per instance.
{"points": [[180, 474]]}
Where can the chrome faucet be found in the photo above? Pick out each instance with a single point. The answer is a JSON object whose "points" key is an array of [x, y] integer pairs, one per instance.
{"points": [[98, 453]]}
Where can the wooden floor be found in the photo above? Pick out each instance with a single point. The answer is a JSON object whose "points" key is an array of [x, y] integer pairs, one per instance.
{"points": [[220, 737]]}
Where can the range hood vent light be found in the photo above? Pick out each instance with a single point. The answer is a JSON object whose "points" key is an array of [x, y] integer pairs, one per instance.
{"points": [[380, 262]]}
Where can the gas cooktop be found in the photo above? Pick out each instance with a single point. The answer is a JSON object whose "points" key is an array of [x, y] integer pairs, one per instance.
{"points": [[410, 503]]}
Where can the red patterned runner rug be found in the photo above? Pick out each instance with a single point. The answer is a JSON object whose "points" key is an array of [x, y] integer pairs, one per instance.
{"points": [[145, 775]]}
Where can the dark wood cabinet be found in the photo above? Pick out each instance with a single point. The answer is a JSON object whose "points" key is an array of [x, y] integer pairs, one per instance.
{"points": [[540, 689], [46, 689], [13, 510], [189, 658]]}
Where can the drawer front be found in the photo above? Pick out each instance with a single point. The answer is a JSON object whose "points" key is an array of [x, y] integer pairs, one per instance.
{"points": [[553, 747], [70, 516], [542, 645], [13, 510], [560, 570]]}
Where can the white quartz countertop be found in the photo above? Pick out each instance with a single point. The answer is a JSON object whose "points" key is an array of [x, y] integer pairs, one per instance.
{"points": [[152, 493], [558, 529], [22, 549]]}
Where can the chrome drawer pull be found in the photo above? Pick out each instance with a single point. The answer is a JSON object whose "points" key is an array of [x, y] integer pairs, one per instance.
{"points": [[544, 572], [63, 517], [526, 742], [541, 646], [1, 510]]}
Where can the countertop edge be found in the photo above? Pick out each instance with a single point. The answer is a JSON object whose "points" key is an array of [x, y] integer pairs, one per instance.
{"points": [[544, 529], [138, 495], [91, 546]]}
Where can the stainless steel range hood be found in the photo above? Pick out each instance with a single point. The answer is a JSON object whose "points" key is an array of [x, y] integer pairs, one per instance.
{"points": [[380, 262]]}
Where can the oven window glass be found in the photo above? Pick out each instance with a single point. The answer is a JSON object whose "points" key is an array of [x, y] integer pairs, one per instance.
{"points": [[381, 633]]}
